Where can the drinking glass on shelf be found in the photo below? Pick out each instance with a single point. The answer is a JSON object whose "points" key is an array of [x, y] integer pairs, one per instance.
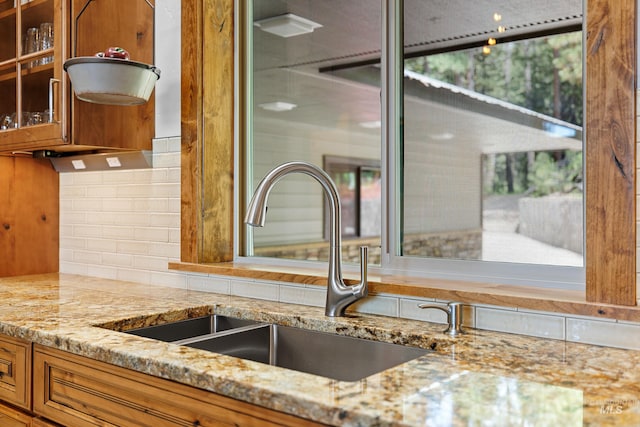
{"points": [[46, 40], [35, 118], [26, 118], [32, 44], [6, 122]]}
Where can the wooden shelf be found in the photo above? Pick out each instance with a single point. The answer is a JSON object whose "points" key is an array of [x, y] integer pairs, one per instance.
{"points": [[38, 69], [7, 9], [7, 14], [8, 76]]}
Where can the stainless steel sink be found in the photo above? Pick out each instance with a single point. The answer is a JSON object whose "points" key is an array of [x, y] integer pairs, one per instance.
{"points": [[190, 328], [329, 355]]}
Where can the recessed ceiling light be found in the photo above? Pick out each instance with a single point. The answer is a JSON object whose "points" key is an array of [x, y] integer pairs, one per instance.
{"points": [[444, 136], [278, 106], [287, 25], [375, 124]]}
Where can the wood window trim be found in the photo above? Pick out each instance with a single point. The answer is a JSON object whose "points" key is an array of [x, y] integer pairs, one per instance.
{"points": [[208, 163]]}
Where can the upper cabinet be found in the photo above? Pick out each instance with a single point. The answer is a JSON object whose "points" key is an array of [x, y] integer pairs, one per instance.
{"points": [[38, 110], [31, 81]]}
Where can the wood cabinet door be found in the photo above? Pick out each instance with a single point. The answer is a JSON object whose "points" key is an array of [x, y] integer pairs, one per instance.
{"points": [[15, 371], [33, 88], [128, 24], [39, 422], [29, 217], [78, 391]]}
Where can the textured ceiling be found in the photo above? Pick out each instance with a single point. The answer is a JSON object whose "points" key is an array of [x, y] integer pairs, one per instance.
{"points": [[351, 29], [288, 69]]}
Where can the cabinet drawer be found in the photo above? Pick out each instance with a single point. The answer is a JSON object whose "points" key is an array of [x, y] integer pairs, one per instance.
{"points": [[15, 371], [37, 422], [10, 417], [78, 391]]}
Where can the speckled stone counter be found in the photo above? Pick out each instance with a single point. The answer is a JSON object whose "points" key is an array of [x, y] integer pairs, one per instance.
{"points": [[481, 378]]}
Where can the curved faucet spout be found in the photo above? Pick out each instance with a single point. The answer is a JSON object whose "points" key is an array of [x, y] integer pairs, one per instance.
{"points": [[339, 295]]}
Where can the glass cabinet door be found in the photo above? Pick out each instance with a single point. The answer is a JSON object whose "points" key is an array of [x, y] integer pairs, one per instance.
{"points": [[8, 47], [36, 62], [30, 73]]}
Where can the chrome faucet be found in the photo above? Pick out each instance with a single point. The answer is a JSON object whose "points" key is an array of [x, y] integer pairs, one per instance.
{"points": [[339, 295]]}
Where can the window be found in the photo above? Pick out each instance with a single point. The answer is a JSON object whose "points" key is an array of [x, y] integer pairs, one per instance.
{"points": [[208, 213], [488, 140], [301, 111], [510, 113]]}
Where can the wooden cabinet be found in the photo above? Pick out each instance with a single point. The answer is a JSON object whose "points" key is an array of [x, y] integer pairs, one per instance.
{"points": [[32, 84], [10, 417], [15, 372], [78, 391], [15, 384], [29, 217], [128, 24], [39, 422], [38, 110]]}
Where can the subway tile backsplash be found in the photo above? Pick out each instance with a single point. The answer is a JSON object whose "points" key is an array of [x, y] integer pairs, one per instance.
{"points": [[538, 325], [126, 225]]}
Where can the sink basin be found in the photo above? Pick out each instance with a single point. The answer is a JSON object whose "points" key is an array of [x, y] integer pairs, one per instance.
{"points": [[333, 356], [329, 355], [189, 328]]}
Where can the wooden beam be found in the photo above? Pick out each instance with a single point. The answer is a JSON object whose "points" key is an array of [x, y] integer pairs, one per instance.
{"points": [[218, 123], [191, 106], [610, 152]]}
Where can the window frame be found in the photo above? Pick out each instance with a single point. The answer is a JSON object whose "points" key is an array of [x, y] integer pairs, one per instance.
{"points": [[208, 122]]}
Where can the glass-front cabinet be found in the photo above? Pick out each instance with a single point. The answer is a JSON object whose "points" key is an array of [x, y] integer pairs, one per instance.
{"points": [[32, 48]]}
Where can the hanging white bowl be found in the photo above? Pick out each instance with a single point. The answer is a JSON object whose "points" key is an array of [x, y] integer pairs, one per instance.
{"points": [[111, 81]]}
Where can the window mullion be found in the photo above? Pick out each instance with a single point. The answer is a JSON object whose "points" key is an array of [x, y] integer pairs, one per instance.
{"points": [[391, 98]]}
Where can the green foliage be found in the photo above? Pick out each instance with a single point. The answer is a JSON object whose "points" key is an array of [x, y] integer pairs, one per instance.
{"points": [[548, 173], [549, 176], [543, 75]]}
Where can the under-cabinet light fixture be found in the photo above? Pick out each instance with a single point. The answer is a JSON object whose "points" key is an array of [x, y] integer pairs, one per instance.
{"points": [[287, 25], [80, 162], [278, 106]]}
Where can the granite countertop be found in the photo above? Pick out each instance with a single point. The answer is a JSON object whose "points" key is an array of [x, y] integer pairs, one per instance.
{"points": [[480, 378]]}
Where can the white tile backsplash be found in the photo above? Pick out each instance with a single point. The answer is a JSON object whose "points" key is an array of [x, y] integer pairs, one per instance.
{"points": [[117, 260], [170, 279], [205, 283], [140, 276], [102, 245], [380, 305], [292, 294], [253, 289], [622, 335], [517, 322]]}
